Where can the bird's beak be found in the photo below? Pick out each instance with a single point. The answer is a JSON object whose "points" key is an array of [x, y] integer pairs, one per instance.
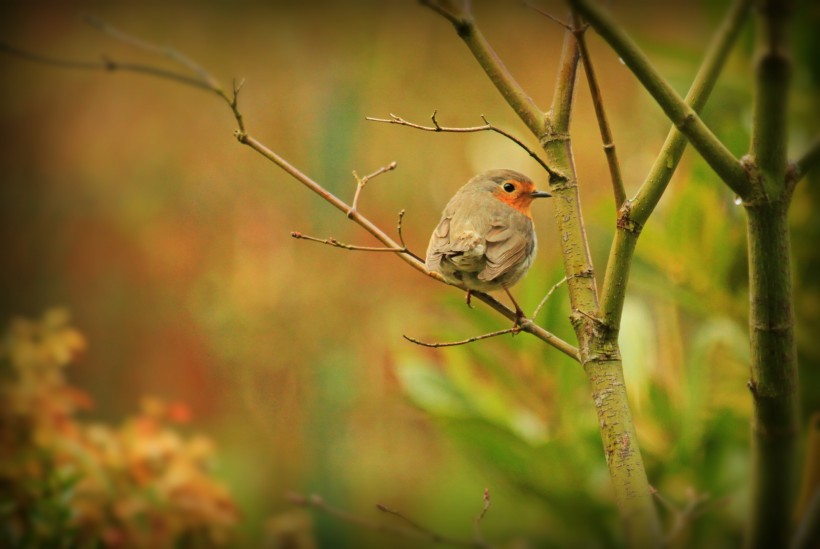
{"points": [[540, 194]]}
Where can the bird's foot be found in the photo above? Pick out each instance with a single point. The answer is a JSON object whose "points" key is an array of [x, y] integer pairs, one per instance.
{"points": [[468, 298]]}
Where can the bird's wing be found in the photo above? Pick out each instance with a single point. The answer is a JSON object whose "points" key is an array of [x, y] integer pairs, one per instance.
{"points": [[439, 243], [506, 248]]}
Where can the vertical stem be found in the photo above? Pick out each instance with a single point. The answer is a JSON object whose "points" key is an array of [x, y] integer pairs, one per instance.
{"points": [[564, 186], [771, 317], [772, 75], [773, 375], [600, 113], [598, 347]]}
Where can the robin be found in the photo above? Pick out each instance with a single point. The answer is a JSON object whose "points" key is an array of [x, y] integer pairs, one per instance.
{"points": [[486, 240]]}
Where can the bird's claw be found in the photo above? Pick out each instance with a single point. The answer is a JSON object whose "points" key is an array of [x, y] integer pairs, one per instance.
{"points": [[469, 298]]}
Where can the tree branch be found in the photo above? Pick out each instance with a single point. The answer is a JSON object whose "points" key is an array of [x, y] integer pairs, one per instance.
{"points": [[576, 255], [479, 539], [435, 344], [336, 244], [362, 181], [107, 64], [809, 160], [487, 127], [634, 214], [722, 161], [174, 55], [462, 19], [413, 531], [564, 93], [579, 31], [772, 77], [547, 296]]}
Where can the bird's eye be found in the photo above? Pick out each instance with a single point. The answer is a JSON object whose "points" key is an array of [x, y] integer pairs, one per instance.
{"points": [[509, 187]]}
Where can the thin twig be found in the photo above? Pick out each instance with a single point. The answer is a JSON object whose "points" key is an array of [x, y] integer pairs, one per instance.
{"points": [[435, 345], [546, 297], [171, 53], [362, 181], [107, 64], [336, 244], [683, 517], [487, 127], [578, 30], [548, 15], [433, 536], [206, 80], [414, 532], [233, 103], [412, 524], [479, 539], [456, 19], [809, 159], [398, 230]]}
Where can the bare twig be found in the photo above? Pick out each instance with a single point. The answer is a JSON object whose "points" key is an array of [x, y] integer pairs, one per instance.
{"points": [[578, 30], [362, 181], [107, 64], [479, 539], [548, 15], [412, 524], [546, 297], [683, 516], [514, 330], [336, 244], [809, 159], [171, 53], [446, 10], [398, 230], [486, 127], [414, 531]]}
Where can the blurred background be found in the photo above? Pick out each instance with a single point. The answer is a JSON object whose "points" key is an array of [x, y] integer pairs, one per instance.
{"points": [[128, 204]]}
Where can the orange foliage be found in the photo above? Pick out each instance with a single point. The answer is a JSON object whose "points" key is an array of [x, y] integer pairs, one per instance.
{"points": [[140, 484]]}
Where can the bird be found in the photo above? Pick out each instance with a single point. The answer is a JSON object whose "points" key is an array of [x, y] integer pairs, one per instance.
{"points": [[485, 240]]}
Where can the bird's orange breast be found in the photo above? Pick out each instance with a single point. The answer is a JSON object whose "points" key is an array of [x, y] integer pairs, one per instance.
{"points": [[519, 201]]}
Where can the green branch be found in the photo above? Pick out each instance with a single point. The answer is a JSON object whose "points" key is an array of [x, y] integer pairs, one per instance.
{"points": [[683, 116], [809, 159], [579, 30], [772, 77], [635, 214], [564, 92], [598, 348], [568, 216], [773, 380]]}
